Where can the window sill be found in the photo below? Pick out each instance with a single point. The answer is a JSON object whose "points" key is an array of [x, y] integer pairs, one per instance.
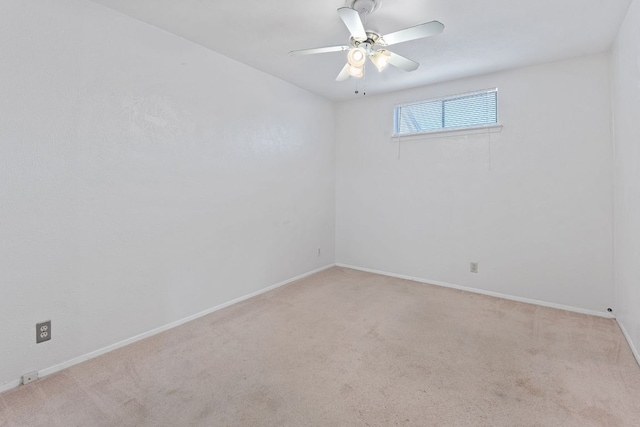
{"points": [[451, 132]]}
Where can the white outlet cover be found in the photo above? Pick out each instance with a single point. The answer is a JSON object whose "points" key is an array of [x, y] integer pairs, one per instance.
{"points": [[30, 377]]}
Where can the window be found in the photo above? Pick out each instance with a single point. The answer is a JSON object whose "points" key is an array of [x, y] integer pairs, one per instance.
{"points": [[469, 110]]}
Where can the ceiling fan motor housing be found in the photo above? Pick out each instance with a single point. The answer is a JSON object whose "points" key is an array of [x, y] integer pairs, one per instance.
{"points": [[363, 6], [373, 39]]}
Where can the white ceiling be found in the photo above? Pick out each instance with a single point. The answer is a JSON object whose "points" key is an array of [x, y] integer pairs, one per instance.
{"points": [[480, 36]]}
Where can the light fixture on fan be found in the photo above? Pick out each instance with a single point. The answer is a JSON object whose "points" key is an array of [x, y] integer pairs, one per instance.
{"points": [[356, 59], [356, 72], [380, 59], [362, 43]]}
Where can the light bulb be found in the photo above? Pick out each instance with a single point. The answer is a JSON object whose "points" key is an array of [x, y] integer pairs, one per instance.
{"points": [[356, 57], [381, 59], [356, 72]]}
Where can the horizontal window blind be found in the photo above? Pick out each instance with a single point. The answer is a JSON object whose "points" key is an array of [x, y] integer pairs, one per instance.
{"points": [[459, 111]]}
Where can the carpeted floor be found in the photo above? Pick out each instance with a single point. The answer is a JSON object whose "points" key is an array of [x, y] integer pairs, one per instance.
{"points": [[347, 348]]}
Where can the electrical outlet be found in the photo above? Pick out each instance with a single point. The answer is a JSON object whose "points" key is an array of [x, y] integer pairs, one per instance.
{"points": [[474, 267], [30, 377], [43, 331]]}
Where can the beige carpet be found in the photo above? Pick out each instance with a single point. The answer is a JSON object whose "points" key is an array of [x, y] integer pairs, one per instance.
{"points": [[347, 348]]}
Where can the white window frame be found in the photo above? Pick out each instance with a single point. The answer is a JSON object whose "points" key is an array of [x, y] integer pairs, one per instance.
{"points": [[462, 129]]}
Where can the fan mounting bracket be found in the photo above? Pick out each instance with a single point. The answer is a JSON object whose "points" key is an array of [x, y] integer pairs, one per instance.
{"points": [[364, 7]]}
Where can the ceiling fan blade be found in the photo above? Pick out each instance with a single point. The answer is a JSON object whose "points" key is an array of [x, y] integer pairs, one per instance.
{"points": [[315, 50], [344, 74], [412, 33], [402, 62], [351, 19]]}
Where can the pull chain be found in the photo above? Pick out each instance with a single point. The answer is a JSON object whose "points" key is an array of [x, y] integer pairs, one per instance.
{"points": [[364, 80]]}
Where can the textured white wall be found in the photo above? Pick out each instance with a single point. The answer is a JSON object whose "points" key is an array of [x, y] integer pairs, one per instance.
{"points": [[144, 179], [134, 194], [532, 204], [626, 105]]}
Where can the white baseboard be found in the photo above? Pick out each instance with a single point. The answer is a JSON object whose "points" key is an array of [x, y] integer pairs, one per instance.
{"points": [[483, 292], [634, 350], [10, 385], [53, 369]]}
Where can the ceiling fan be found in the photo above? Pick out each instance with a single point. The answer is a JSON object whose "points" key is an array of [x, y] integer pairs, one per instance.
{"points": [[365, 44]]}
